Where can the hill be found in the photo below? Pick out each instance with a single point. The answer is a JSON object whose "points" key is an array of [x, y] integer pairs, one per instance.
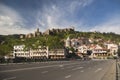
{"points": [[55, 40]]}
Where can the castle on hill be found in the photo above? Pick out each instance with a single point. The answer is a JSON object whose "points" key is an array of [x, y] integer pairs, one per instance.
{"points": [[47, 32]]}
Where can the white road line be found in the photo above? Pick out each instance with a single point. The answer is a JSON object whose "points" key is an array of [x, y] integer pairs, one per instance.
{"points": [[77, 68], [99, 69], [82, 71], [9, 78], [68, 76], [44, 72], [60, 65], [31, 68]]}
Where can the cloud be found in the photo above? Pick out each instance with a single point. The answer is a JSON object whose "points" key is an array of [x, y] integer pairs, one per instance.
{"points": [[77, 4], [52, 15], [60, 15], [111, 25], [11, 22], [9, 26]]}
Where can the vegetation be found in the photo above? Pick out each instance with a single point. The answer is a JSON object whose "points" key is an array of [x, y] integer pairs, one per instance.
{"points": [[53, 41]]}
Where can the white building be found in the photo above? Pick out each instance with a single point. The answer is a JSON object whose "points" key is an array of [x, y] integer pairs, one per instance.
{"points": [[19, 51], [38, 53], [98, 52], [68, 42], [113, 49], [83, 49]]}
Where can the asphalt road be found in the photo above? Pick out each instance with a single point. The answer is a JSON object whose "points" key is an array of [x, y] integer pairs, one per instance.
{"points": [[56, 70]]}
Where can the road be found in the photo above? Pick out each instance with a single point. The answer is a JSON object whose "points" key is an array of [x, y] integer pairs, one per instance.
{"points": [[56, 70]]}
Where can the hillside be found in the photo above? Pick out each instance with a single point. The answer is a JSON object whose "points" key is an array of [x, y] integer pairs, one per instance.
{"points": [[55, 40]]}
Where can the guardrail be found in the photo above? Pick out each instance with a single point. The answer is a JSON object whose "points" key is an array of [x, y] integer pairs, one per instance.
{"points": [[117, 69]]}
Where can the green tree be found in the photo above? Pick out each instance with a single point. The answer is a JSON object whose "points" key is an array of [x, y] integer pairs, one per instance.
{"points": [[5, 49]]}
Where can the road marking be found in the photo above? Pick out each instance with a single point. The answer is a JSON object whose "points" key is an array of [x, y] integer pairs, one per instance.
{"points": [[60, 65], [9, 78], [99, 69], [31, 68], [44, 72], [77, 68], [82, 71], [68, 76]]}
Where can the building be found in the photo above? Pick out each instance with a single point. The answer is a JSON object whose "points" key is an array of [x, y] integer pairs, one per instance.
{"points": [[113, 49], [98, 52], [57, 53], [82, 50], [38, 53], [75, 43], [37, 33], [47, 32], [84, 41], [54, 31], [68, 42], [19, 51], [30, 35]]}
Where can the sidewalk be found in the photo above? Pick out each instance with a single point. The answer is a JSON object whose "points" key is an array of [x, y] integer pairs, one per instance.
{"points": [[111, 73]]}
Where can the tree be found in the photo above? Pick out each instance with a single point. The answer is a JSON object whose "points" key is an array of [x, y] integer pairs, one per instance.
{"points": [[119, 51], [5, 49]]}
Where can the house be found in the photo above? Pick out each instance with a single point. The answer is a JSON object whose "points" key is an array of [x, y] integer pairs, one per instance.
{"points": [[82, 50], [113, 48], [98, 52], [75, 42]]}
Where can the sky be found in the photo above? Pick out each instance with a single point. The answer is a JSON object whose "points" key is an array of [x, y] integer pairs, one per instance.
{"points": [[24, 16]]}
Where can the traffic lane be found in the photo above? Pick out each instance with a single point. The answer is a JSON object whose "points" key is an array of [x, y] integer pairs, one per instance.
{"points": [[78, 72], [37, 64], [85, 62], [53, 73], [32, 65], [28, 75], [96, 72], [26, 65], [9, 73], [68, 74]]}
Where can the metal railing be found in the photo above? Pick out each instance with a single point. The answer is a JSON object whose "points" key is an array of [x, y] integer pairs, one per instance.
{"points": [[117, 69]]}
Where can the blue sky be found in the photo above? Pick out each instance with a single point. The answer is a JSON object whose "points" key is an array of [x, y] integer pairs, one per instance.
{"points": [[24, 16]]}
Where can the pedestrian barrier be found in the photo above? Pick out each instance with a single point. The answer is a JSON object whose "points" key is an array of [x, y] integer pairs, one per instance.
{"points": [[117, 70]]}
